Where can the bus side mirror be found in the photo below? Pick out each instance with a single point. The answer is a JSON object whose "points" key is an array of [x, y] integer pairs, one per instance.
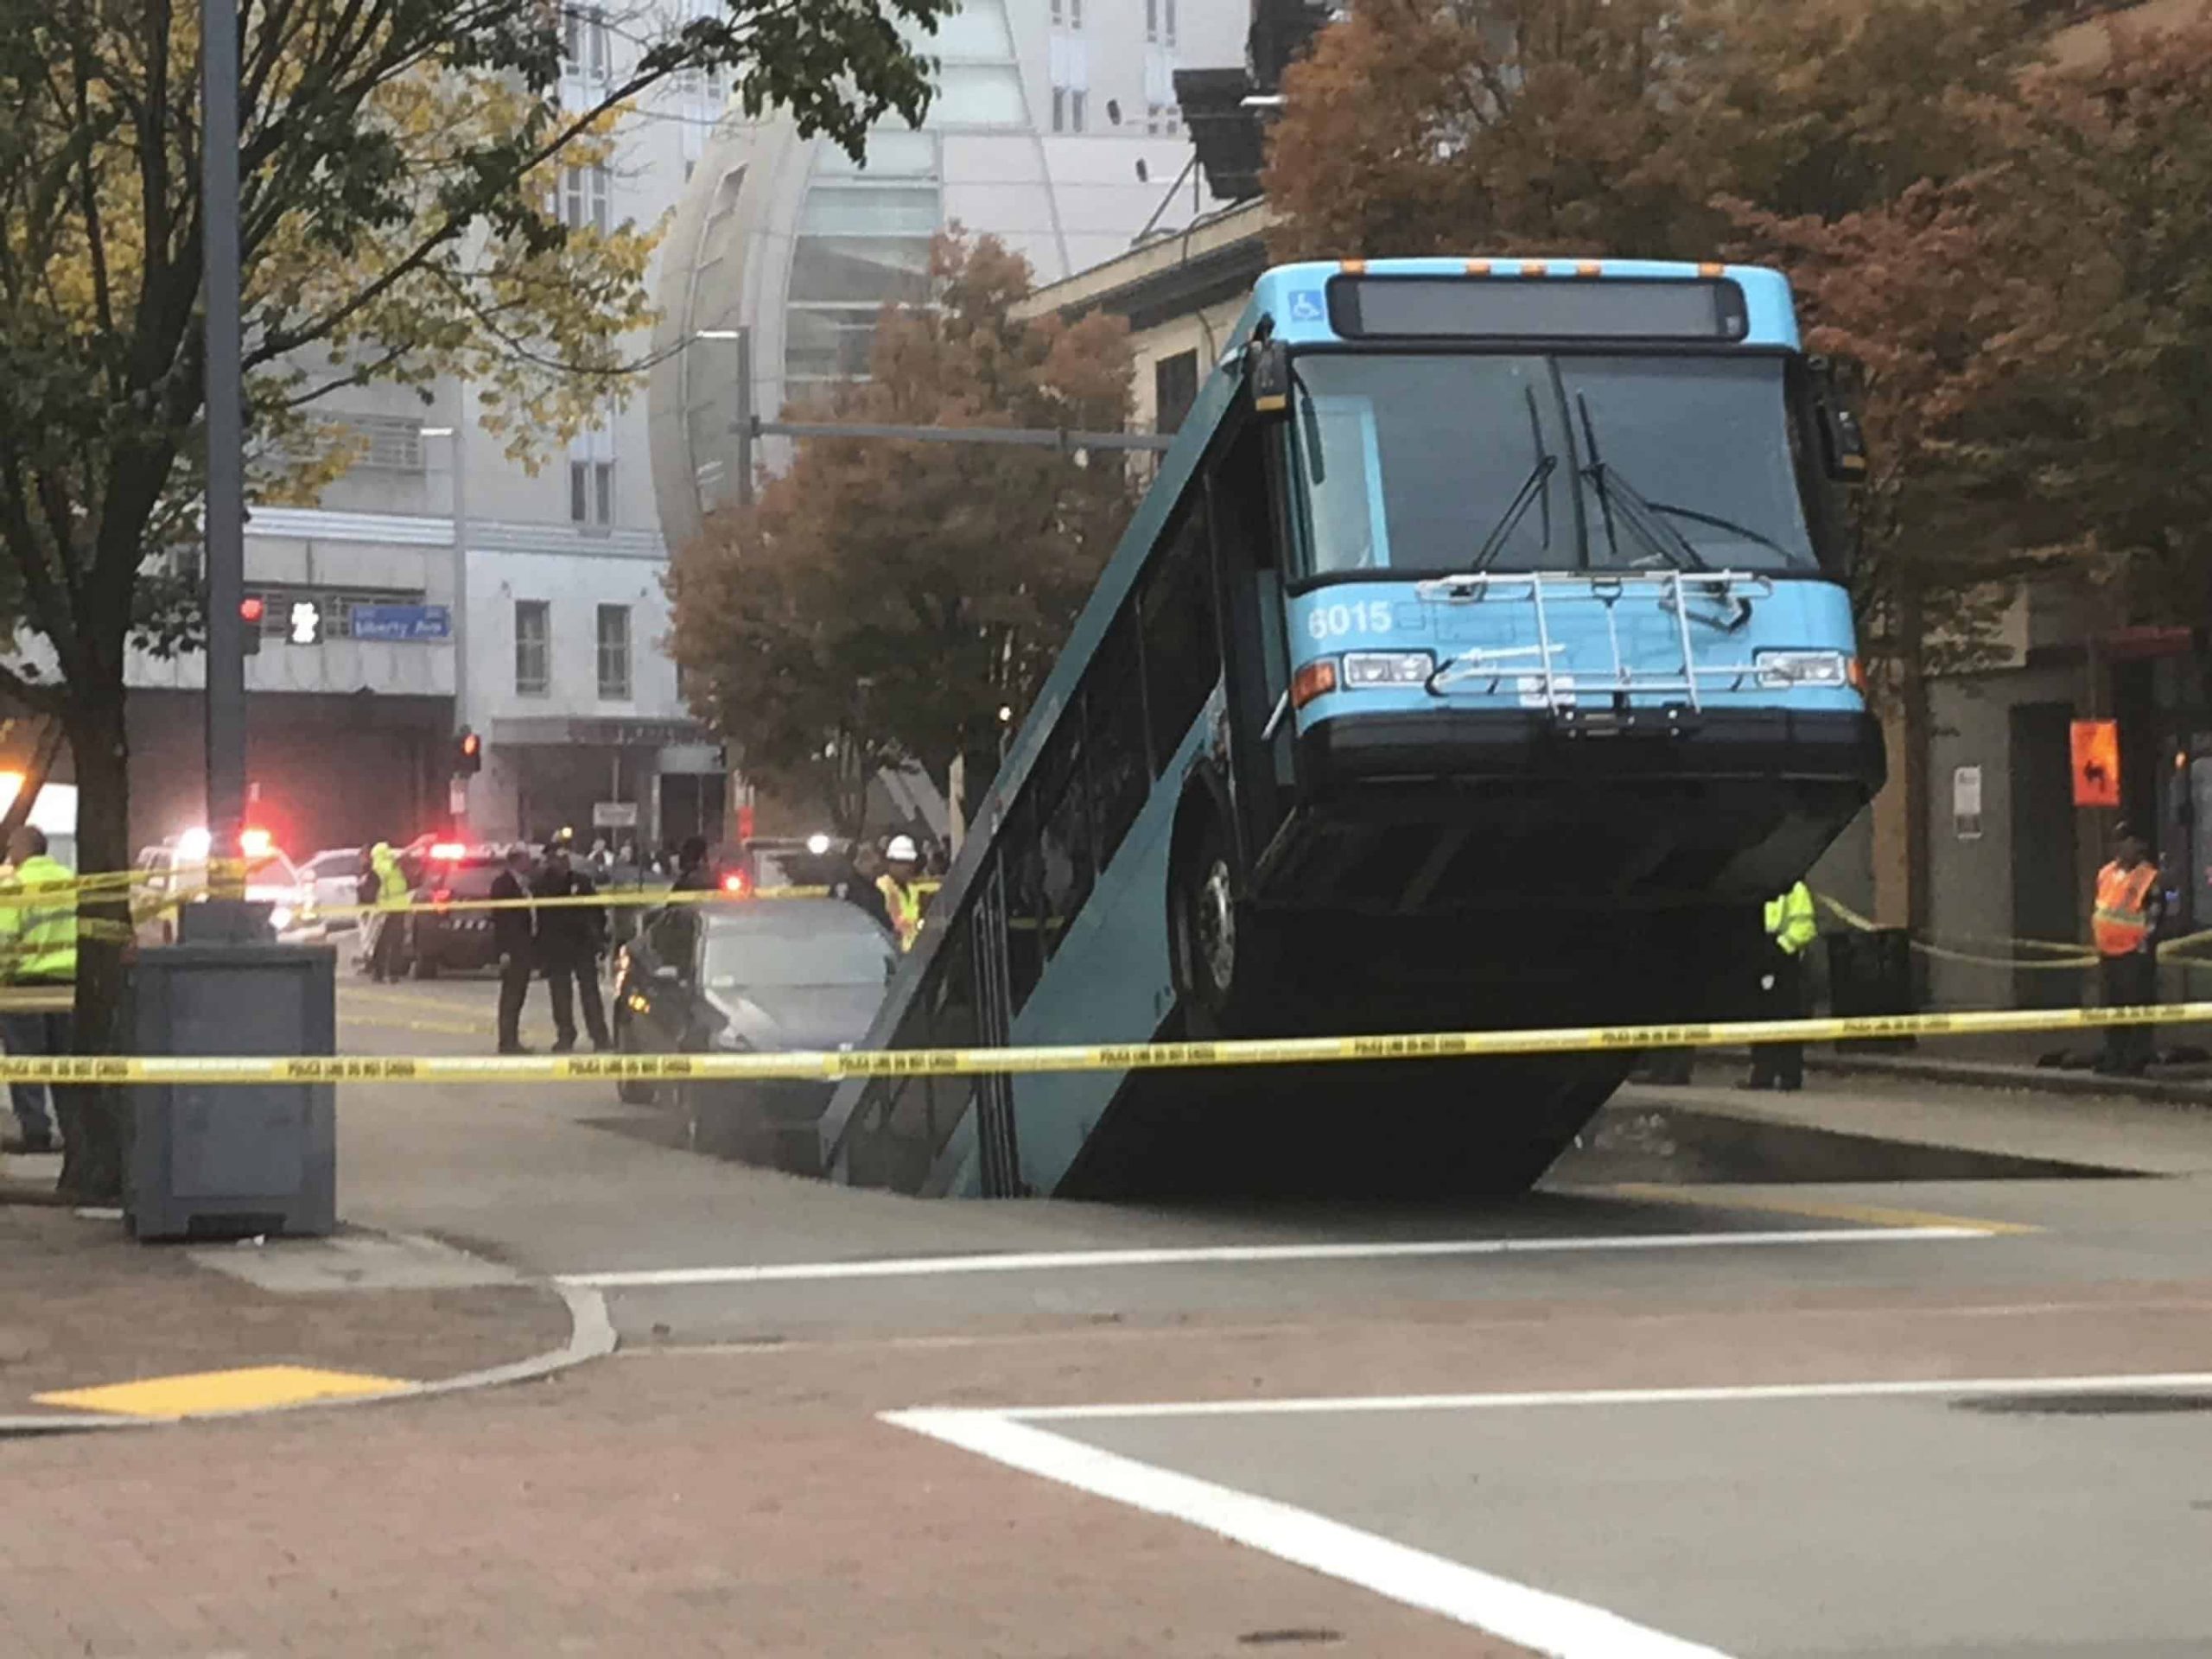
{"points": [[1843, 445], [1266, 373]]}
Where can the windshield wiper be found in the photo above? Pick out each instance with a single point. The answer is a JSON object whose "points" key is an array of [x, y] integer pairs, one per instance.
{"points": [[1793, 556], [1637, 511], [1532, 490], [1317, 470]]}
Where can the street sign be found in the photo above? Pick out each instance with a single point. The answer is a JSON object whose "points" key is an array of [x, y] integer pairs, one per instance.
{"points": [[402, 624], [614, 815], [2096, 762], [457, 797]]}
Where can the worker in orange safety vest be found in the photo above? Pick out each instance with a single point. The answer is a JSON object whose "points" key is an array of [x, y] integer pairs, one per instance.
{"points": [[2125, 925]]}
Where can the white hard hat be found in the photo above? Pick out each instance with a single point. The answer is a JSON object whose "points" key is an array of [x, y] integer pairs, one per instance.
{"points": [[901, 847]]}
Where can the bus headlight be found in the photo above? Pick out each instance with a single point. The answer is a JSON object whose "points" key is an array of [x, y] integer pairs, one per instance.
{"points": [[1782, 669], [1367, 669]]}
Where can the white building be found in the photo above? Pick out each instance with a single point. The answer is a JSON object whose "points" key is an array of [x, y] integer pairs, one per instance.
{"points": [[1055, 128], [564, 678]]}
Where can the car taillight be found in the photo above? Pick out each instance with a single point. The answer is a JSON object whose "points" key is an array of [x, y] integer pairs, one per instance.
{"points": [[442, 896]]}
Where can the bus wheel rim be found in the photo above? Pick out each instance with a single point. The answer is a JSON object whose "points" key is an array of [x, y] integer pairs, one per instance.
{"points": [[1217, 927]]}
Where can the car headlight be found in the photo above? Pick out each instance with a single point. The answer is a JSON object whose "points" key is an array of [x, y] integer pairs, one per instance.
{"points": [[1781, 669], [1369, 668], [280, 917]]}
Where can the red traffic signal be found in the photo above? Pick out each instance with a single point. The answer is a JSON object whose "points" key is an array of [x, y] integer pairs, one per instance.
{"points": [[251, 609], [467, 754]]}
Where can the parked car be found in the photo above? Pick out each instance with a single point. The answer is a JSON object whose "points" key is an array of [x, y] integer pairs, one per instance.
{"points": [[798, 973], [331, 880], [440, 941]]}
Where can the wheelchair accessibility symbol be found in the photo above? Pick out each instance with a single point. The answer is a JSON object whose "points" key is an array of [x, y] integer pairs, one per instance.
{"points": [[1305, 305]]}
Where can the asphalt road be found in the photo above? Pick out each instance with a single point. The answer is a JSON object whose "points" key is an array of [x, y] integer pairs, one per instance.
{"points": [[1638, 1413]]}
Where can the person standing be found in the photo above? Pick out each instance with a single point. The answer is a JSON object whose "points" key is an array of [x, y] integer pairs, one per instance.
{"points": [[570, 935], [2125, 925], [1792, 925], [514, 937], [902, 897], [392, 899], [38, 945]]}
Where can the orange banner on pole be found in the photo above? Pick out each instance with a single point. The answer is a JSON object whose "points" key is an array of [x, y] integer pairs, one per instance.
{"points": [[2096, 762]]}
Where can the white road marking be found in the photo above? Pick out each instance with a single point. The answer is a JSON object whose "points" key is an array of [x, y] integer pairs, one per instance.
{"points": [[928, 1267], [1535, 1619], [2160, 1381]]}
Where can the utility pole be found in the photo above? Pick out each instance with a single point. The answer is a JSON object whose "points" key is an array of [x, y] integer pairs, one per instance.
{"points": [[225, 506]]}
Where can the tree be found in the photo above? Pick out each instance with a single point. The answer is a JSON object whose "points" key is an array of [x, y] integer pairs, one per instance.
{"points": [[2096, 204], [398, 159], [1620, 126], [883, 599]]}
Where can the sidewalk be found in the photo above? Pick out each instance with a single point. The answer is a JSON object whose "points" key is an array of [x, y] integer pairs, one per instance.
{"points": [[85, 1307]]}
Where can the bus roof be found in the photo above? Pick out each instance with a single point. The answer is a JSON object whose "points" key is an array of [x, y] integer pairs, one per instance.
{"points": [[1309, 301]]}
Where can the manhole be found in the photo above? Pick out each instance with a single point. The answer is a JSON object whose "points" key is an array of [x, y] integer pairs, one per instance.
{"points": [[1288, 1638], [2088, 1405]]}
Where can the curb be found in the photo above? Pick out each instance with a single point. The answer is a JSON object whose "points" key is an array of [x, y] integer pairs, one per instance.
{"points": [[2040, 1079], [591, 1336]]}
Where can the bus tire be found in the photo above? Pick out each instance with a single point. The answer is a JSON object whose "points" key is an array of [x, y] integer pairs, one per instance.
{"points": [[1218, 944]]}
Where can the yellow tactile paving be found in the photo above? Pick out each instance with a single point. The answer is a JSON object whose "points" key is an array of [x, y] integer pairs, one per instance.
{"points": [[256, 1388]]}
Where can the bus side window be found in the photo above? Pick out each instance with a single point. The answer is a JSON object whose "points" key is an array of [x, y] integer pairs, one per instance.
{"points": [[1114, 701], [1065, 870], [1024, 864], [1182, 657]]}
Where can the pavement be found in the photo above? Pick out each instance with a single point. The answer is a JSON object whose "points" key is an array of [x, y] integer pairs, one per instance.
{"points": [[1883, 1368]]}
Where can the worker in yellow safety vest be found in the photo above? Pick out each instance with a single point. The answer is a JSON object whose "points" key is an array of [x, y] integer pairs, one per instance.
{"points": [[38, 947], [2124, 925], [392, 897], [902, 898], [1791, 927]]}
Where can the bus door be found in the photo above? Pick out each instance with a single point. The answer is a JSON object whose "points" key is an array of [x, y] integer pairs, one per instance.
{"points": [[1254, 654], [994, 1136]]}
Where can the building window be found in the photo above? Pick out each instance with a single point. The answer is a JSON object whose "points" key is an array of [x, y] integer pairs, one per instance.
{"points": [[586, 194], [533, 647], [591, 492], [1060, 109], [1075, 13], [1174, 389], [614, 653], [587, 48], [1077, 100]]}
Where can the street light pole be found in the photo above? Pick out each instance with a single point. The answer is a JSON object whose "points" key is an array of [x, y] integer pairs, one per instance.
{"points": [[458, 631], [226, 396]]}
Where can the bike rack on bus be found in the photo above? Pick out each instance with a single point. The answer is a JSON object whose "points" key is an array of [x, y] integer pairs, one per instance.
{"points": [[1674, 590]]}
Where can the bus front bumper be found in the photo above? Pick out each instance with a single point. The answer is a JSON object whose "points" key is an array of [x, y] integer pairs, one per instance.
{"points": [[1510, 744]]}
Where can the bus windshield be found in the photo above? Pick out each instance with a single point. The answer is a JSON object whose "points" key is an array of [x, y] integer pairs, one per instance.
{"points": [[1439, 464]]}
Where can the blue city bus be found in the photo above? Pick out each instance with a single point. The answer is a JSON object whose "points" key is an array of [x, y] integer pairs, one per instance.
{"points": [[1481, 656]]}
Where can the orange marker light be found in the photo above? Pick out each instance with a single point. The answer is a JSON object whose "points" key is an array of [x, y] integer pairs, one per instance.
{"points": [[1314, 680], [1534, 268]]}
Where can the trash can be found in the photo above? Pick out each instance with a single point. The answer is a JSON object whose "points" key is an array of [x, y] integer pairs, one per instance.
{"points": [[229, 1159], [1870, 974]]}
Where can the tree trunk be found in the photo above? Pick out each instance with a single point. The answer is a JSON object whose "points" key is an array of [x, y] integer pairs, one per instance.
{"points": [[93, 1120]]}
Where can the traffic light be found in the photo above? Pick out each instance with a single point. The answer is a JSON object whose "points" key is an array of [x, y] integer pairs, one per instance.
{"points": [[467, 754], [307, 622], [250, 613]]}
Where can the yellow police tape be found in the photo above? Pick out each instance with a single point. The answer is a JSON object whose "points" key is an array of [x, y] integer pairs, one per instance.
{"points": [[2069, 957], [823, 1064]]}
